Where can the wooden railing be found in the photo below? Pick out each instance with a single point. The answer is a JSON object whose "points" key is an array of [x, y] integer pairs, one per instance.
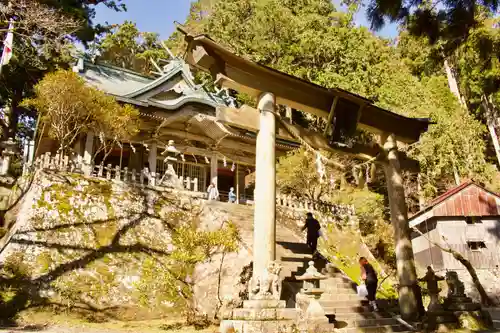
{"points": [[134, 176], [143, 177], [306, 205]]}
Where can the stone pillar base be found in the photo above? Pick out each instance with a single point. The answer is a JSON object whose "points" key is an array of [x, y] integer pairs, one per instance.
{"points": [[258, 326], [263, 316], [263, 304]]}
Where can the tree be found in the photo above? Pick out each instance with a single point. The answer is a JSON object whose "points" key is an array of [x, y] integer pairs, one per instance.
{"points": [[448, 21], [113, 123], [297, 174], [81, 11], [127, 47], [68, 107], [43, 36]]}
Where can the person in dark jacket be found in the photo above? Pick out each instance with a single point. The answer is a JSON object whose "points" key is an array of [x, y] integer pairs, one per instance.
{"points": [[312, 225], [369, 275]]}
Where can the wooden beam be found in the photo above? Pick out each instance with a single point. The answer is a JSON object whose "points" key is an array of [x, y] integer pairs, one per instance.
{"points": [[169, 119], [202, 58], [185, 149], [227, 143], [253, 79], [330, 116], [247, 117]]}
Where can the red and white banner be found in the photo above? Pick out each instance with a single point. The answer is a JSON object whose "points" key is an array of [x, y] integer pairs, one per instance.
{"points": [[7, 44]]}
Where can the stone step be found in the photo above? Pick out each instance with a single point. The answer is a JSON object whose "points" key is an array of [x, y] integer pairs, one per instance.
{"points": [[330, 298], [366, 322], [496, 324], [338, 290], [346, 309], [374, 329], [341, 285], [338, 280], [361, 315]]}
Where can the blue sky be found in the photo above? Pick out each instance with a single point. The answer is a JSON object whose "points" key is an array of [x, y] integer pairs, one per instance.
{"points": [[159, 16]]}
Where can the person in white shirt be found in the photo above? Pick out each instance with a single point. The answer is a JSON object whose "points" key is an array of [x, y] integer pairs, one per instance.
{"points": [[213, 193]]}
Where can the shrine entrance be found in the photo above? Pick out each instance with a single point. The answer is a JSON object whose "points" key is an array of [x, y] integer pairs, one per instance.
{"points": [[225, 180]]}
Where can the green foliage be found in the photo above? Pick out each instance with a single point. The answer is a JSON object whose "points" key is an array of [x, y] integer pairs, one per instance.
{"points": [[454, 144], [344, 247], [480, 76], [297, 175], [44, 37], [69, 107], [168, 278], [129, 48], [311, 40], [450, 22], [15, 266], [373, 225]]}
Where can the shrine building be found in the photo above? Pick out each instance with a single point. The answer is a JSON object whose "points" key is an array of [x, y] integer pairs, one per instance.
{"points": [[213, 137]]}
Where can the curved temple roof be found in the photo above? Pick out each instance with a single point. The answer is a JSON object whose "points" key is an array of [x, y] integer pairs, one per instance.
{"points": [[134, 88], [249, 77]]}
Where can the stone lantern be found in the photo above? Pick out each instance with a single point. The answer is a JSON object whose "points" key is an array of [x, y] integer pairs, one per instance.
{"points": [[309, 295], [170, 178], [10, 149], [171, 153]]}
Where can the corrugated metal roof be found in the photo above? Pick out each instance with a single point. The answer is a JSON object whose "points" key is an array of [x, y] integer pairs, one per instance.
{"points": [[466, 199]]}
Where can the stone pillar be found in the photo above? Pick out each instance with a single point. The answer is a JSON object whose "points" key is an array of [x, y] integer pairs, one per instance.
{"points": [[237, 184], [31, 154], [409, 302], [152, 163], [5, 165], [214, 164], [87, 154], [264, 242], [78, 151]]}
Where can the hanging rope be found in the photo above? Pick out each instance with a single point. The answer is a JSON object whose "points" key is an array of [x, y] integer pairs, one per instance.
{"points": [[321, 159]]}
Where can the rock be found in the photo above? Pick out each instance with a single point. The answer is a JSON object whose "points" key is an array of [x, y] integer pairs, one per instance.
{"points": [[107, 243]]}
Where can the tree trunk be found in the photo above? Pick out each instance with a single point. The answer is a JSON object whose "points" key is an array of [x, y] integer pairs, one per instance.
{"points": [[409, 301], [485, 299], [491, 116], [456, 175], [452, 83], [421, 199]]}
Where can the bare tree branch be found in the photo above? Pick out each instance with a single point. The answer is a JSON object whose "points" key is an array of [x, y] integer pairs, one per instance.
{"points": [[485, 299]]}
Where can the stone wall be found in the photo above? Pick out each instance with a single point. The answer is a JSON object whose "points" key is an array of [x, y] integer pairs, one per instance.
{"points": [[97, 244]]}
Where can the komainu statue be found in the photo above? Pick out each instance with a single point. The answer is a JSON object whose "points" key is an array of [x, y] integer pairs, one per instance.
{"points": [[268, 286], [455, 286]]}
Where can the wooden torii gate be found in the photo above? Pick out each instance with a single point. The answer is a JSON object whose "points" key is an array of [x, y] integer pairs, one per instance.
{"points": [[345, 113]]}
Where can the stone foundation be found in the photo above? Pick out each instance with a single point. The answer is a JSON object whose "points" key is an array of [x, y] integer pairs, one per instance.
{"points": [[260, 316]]}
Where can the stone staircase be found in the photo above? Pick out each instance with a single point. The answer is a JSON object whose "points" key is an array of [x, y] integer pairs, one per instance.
{"points": [[347, 313]]}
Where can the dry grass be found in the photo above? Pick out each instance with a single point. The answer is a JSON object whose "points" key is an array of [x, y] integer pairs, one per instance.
{"points": [[70, 323]]}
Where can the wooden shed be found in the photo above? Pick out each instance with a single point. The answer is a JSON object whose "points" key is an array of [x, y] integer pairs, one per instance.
{"points": [[466, 219]]}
